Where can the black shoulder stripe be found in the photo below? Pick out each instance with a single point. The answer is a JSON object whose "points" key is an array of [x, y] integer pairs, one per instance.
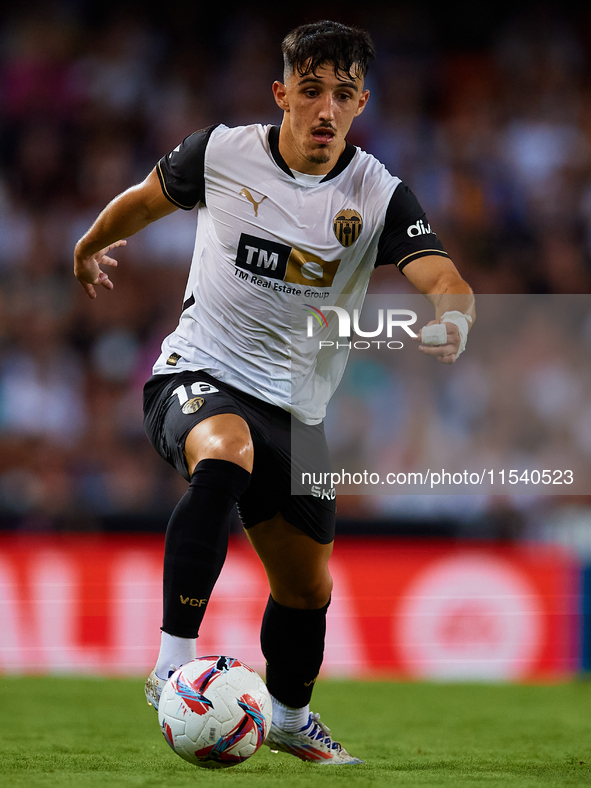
{"points": [[182, 171], [407, 234], [167, 193]]}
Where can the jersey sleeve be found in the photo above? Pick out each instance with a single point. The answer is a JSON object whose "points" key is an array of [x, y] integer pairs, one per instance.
{"points": [[407, 235], [182, 171]]}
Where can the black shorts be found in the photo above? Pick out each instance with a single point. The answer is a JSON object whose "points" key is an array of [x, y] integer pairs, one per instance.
{"points": [[175, 403]]}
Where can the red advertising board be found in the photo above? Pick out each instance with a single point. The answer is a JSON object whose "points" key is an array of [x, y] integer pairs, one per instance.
{"points": [[482, 612], [399, 609]]}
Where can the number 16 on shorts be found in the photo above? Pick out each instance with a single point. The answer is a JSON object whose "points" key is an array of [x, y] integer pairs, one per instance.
{"points": [[198, 388]]}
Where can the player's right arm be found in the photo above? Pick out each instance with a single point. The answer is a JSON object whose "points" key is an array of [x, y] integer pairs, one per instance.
{"points": [[126, 215]]}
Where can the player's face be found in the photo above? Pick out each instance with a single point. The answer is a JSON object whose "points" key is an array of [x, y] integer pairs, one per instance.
{"points": [[318, 111]]}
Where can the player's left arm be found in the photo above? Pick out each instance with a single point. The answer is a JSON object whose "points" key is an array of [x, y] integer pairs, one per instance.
{"points": [[451, 296]]}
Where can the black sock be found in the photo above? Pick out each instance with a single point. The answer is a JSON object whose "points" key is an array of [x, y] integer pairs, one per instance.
{"points": [[197, 542], [292, 641]]}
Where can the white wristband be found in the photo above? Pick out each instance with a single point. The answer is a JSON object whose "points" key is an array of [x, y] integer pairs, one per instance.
{"points": [[460, 320]]}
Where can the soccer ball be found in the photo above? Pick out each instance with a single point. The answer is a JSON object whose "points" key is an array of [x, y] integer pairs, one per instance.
{"points": [[215, 712]]}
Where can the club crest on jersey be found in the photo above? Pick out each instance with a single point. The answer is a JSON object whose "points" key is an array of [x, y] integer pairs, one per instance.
{"points": [[192, 405], [347, 225]]}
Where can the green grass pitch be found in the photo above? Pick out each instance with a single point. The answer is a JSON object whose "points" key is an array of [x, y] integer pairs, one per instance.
{"points": [[69, 732]]}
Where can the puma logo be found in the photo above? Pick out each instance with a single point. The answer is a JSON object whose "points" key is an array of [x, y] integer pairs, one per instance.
{"points": [[309, 683], [245, 193]]}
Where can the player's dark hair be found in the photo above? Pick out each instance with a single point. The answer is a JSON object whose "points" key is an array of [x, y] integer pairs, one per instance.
{"points": [[348, 49]]}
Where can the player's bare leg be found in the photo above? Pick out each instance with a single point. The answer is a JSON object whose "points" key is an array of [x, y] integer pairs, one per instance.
{"points": [[219, 456], [292, 637], [296, 565]]}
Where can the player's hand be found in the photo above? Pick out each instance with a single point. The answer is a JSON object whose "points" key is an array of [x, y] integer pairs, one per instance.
{"points": [[447, 352], [88, 269]]}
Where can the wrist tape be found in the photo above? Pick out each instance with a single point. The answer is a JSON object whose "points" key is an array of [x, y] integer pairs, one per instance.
{"points": [[461, 321]]}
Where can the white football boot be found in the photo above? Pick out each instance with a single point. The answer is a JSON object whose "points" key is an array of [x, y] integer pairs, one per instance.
{"points": [[154, 686], [311, 743]]}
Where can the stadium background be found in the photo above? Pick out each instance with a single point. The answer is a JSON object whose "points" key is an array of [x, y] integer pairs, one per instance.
{"points": [[485, 111]]}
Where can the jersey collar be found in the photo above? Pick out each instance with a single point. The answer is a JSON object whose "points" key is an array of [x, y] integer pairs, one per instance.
{"points": [[344, 159]]}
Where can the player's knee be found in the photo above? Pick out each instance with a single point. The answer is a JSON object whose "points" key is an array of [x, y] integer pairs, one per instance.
{"points": [[236, 448], [307, 596], [233, 448]]}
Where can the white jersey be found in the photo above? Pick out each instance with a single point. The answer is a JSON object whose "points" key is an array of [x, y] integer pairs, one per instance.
{"points": [[270, 241]]}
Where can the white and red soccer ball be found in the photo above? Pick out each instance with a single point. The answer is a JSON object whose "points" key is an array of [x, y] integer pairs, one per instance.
{"points": [[215, 712]]}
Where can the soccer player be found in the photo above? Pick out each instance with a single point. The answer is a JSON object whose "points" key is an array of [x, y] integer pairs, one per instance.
{"points": [[281, 212]]}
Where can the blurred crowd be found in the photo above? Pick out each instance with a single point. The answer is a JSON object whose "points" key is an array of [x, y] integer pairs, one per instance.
{"points": [[494, 138]]}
